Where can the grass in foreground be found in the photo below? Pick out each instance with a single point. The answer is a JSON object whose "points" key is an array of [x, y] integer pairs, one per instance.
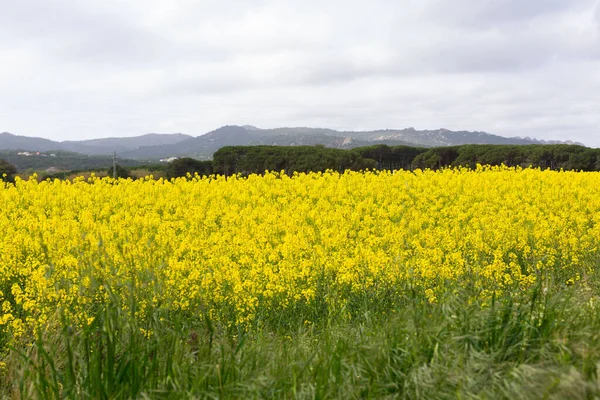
{"points": [[541, 344]]}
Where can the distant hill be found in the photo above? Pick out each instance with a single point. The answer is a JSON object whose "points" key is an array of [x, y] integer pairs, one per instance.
{"points": [[155, 146], [204, 146], [89, 147], [9, 141], [443, 137], [120, 145]]}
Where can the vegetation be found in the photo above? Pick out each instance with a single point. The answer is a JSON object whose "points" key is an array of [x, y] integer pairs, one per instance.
{"points": [[136, 172], [567, 157], [391, 158], [183, 166], [63, 161], [258, 159], [118, 172], [426, 284], [7, 171]]}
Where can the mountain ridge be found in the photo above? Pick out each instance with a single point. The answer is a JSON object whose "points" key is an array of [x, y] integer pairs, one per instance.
{"points": [[156, 146], [92, 147]]}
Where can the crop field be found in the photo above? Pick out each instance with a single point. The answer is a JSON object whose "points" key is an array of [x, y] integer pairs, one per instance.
{"points": [[456, 283]]}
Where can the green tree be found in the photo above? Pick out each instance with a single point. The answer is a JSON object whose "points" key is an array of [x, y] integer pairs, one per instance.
{"points": [[7, 171], [182, 166], [437, 157], [122, 172]]}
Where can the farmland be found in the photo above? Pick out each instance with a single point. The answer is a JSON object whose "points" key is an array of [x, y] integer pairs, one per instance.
{"points": [[408, 284]]}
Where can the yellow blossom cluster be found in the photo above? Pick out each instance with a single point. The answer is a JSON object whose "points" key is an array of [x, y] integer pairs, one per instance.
{"points": [[237, 246]]}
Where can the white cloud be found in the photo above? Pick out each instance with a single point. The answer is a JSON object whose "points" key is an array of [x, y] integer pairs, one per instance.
{"points": [[75, 69]]}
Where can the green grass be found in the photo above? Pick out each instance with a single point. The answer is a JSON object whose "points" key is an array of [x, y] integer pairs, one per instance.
{"points": [[540, 344]]}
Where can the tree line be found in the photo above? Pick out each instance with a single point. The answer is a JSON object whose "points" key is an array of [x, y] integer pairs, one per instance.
{"points": [[258, 159], [247, 160], [65, 161], [556, 157]]}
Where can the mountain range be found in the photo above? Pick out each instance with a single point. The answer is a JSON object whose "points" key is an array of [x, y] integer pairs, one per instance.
{"points": [[155, 146]]}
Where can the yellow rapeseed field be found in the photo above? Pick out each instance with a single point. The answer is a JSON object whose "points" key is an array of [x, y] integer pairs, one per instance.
{"points": [[235, 248]]}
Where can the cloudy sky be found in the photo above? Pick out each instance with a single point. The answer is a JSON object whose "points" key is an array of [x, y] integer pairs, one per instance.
{"points": [[75, 69]]}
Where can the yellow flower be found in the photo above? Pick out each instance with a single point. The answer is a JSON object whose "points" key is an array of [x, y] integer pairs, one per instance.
{"points": [[431, 298], [238, 247]]}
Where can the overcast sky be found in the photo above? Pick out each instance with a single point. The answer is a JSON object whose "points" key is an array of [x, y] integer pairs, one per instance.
{"points": [[78, 69]]}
